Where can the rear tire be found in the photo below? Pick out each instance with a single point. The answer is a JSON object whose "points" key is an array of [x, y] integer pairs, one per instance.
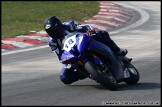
{"points": [[107, 80], [134, 75]]}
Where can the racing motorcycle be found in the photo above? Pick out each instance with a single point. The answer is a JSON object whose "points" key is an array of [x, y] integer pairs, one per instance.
{"points": [[96, 61]]}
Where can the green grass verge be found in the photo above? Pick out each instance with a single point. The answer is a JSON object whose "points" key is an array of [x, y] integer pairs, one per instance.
{"points": [[20, 17]]}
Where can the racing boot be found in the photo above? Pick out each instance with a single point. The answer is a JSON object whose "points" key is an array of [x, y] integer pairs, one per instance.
{"points": [[122, 52]]}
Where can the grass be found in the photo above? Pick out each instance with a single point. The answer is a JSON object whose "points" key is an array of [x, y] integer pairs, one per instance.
{"points": [[20, 17]]}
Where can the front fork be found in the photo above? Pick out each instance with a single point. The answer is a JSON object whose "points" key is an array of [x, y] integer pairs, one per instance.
{"points": [[80, 67]]}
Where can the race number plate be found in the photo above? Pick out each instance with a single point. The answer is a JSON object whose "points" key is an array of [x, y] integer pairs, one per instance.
{"points": [[69, 43]]}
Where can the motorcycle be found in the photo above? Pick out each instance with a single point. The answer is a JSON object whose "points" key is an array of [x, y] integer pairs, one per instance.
{"points": [[96, 61]]}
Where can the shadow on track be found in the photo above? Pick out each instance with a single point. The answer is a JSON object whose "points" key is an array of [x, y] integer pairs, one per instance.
{"points": [[140, 86], [124, 86]]}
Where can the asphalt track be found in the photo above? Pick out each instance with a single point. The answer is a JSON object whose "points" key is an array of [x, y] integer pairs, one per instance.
{"points": [[32, 77]]}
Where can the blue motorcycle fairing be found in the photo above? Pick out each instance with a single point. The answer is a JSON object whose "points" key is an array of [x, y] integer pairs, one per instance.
{"points": [[83, 43], [87, 43], [72, 53], [67, 58], [95, 45]]}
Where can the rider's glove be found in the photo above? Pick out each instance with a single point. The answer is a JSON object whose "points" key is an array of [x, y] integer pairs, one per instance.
{"points": [[81, 28], [53, 46]]}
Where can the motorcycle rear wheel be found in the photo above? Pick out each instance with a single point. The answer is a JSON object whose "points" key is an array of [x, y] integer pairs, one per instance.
{"points": [[134, 75]]}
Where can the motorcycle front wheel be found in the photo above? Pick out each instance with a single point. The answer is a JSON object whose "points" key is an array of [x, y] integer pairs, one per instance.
{"points": [[104, 78]]}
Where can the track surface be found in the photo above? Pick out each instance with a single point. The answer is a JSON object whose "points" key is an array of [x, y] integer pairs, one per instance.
{"points": [[32, 77]]}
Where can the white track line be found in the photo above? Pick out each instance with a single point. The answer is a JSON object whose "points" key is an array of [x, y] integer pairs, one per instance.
{"points": [[23, 50]]}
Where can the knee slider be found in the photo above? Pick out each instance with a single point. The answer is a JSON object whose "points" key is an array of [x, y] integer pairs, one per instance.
{"points": [[65, 80]]}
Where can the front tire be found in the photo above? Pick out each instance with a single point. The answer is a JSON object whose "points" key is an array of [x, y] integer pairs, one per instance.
{"points": [[105, 79]]}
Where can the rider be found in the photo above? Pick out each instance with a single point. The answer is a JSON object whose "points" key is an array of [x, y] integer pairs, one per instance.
{"points": [[58, 30]]}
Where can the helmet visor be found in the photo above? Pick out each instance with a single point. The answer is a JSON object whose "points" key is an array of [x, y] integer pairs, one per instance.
{"points": [[56, 33]]}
